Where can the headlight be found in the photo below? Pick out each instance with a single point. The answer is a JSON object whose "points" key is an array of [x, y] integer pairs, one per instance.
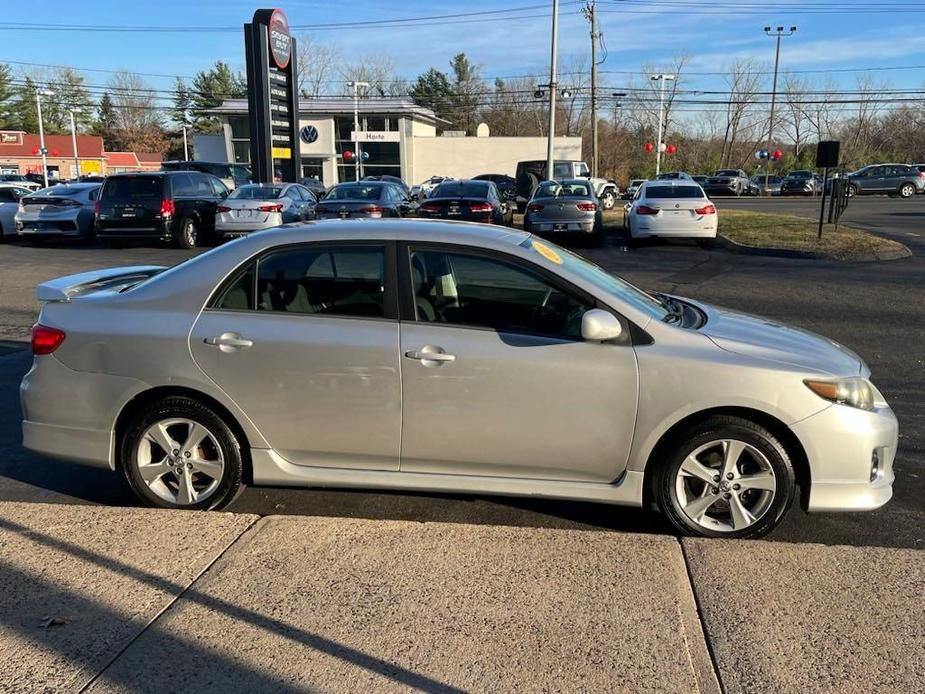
{"points": [[854, 392]]}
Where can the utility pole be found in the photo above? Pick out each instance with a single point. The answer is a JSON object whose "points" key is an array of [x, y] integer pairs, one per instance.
{"points": [[778, 34], [39, 93], [589, 12], [660, 78], [74, 142], [185, 145], [356, 127], [553, 88]]}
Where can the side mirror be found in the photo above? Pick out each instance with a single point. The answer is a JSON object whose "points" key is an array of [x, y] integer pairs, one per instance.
{"points": [[600, 326]]}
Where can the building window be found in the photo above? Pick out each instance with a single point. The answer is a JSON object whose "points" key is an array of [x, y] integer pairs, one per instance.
{"points": [[240, 127], [242, 151]]}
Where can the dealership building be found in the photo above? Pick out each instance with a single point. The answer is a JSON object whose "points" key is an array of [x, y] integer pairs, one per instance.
{"points": [[399, 137]]}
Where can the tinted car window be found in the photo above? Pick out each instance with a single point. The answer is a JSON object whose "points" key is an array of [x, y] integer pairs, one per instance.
{"points": [[480, 292], [461, 189], [133, 188], [552, 190], [239, 294], [659, 192], [354, 192], [182, 185], [562, 170], [332, 281], [219, 189], [8, 195], [203, 186], [255, 192]]}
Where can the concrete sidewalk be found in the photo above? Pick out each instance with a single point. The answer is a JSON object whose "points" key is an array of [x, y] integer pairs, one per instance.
{"points": [[115, 599]]}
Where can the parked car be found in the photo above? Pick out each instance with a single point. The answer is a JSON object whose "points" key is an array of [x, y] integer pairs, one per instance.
{"points": [[672, 209], [422, 190], [468, 200], [171, 206], [756, 184], [700, 179], [258, 206], [801, 183], [673, 176], [365, 199], [9, 206], [530, 173], [232, 175], [507, 185], [893, 179], [631, 189], [20, 180], [38, 180], [565, 208], [386, 178], [314, 184], [499, 364], [727, 182], [64, 210]]}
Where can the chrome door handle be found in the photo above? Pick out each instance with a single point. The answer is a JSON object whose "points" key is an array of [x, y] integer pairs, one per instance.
{"points": [[229, 341], [427, 354]]}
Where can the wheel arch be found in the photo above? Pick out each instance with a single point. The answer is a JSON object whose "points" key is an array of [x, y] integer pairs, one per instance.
{"points": [[152, 395], [788, 439]]}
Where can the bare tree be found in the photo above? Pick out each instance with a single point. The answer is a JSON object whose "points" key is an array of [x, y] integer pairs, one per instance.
{"points": [[138, 121], [794, 114], [378, 71], [318, 65], [743, 80]]}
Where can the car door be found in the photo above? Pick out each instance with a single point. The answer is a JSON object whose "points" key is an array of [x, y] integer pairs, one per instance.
{"points": [[496, 380], [874, 179], [9, 205], [305, 340]]}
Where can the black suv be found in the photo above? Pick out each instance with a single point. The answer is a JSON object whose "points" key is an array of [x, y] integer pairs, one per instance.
{"points": [[232, 175], [163, 206]]}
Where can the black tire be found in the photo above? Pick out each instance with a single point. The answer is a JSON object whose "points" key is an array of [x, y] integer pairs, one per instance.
{"points": [[188, 234], [187, 408], [907, 190], [852, 190], [608, 195], [664, 488]]}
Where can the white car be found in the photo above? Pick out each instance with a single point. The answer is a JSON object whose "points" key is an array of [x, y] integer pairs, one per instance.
{"points": [[9, 206], [671, 209], [19, 181]]}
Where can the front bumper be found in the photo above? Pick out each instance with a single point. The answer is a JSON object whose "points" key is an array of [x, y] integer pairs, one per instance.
{"points": [[840, 443], [721, 189]]}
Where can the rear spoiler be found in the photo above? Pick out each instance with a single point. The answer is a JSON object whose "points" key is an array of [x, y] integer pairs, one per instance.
{"points": [[66, 288]]}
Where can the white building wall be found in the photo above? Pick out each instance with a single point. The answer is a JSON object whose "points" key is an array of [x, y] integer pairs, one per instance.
{"points": [[464, 157]]}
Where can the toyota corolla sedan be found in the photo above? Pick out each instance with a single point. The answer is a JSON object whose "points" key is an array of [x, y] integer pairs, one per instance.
{"points": [[446, 357], [565, 208]]}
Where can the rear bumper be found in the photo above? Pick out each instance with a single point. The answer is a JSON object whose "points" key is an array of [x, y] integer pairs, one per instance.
{"points": [[840, 444], [160, 232], [86, 446], [53, 226]]}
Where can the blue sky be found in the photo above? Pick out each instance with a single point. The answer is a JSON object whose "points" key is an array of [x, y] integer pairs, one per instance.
{"points": [[829, 38]]}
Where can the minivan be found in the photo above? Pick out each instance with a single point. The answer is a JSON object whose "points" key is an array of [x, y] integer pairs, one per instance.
{"points": [[168, 206]]}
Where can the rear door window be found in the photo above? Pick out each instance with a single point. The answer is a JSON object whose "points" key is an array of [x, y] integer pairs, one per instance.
{"points": [[182, 186], [133, 188], [203, 188]]}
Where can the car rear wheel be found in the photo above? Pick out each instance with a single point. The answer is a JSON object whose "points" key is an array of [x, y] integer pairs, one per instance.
{"points": [[178, 453], [727, 477], [188, 234], [906, 190], [608, 200]]}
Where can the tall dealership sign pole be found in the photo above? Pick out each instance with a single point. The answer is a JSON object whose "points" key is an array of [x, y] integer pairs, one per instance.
{"points": [[553, 88], [39, 93], [272, 97]]}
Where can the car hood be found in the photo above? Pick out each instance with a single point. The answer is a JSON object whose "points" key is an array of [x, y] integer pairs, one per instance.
{"points": [[754, 336]]}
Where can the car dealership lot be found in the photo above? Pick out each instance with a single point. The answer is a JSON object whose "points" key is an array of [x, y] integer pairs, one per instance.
{"points": [[866, 307]]}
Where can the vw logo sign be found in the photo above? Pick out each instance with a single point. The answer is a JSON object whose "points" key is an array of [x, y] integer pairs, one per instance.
{"points": [[308, 134]]}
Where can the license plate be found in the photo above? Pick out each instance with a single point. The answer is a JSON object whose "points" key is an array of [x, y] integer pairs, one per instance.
{"points": [[560, 227], [244, 213], [127, 213], [343, 215], [453, 211]]}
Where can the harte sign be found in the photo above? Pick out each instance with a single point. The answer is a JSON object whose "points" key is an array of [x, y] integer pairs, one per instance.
{"points": [[280, 39]]}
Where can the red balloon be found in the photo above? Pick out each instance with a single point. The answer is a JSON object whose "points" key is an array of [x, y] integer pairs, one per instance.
{"points": [[671, 149], [649, 146], [776, 154], [348, 155], [54, 153], [35, 150]]}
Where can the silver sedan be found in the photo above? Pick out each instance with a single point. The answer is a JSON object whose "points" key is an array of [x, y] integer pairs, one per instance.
{"points": [[446, 357], [563, 208], [258, 206], [66, 209]]}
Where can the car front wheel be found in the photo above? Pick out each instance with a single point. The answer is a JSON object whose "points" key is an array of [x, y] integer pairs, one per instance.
{"points": [[178, 453], [726, 477]]}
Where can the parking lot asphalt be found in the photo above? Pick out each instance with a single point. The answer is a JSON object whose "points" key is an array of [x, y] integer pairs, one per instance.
{"points": [[874, 308]]}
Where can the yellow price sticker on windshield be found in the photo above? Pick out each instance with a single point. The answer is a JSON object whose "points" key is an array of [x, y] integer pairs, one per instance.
{"points": [[547, 252]]}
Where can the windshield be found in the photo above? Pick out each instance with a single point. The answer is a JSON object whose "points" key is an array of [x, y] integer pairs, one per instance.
{"points": [[599, 277], [558, 190], [660, 192], [727, 172], [800, 174], [461, 189], [256, 193], [354, 192], [637, 181]]}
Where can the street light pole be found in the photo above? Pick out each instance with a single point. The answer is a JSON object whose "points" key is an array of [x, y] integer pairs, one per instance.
{"points": [[778, 34], [591, 16], [661, 118], [185, 146], [356, 127], [38, 107], [72, 111], [553, 89]]}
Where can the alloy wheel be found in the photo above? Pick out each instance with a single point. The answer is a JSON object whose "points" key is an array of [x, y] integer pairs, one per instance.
{"points": [[180, 461], [907, 191], [189, 234], [608, 200], [725, 485]]}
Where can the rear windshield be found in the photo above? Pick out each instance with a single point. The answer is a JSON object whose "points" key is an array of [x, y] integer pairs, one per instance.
{"points": [[461, 189], [661, 192], [257, 193], [354, 192], [133, 188], [557, 190]]}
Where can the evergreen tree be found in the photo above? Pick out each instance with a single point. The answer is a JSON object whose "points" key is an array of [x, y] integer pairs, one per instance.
{"points": [[7, 117], [210, 88], [24, 113], [468, 89], [181, 105], [69, 93], [106, 123], [432, 90]]}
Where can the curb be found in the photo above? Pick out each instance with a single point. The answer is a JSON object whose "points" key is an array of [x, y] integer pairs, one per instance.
{"points": [[735, 247]]}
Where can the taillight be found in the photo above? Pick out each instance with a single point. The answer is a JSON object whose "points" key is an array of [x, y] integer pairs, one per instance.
{"points": [[480, 207], [96, 207], [921, 174], [706, 209], [46, 340], [587, 206], [534, 207], [645, 209], [168, 208], [430, 208], [222, 208], [372, 211], [271, 208]]}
